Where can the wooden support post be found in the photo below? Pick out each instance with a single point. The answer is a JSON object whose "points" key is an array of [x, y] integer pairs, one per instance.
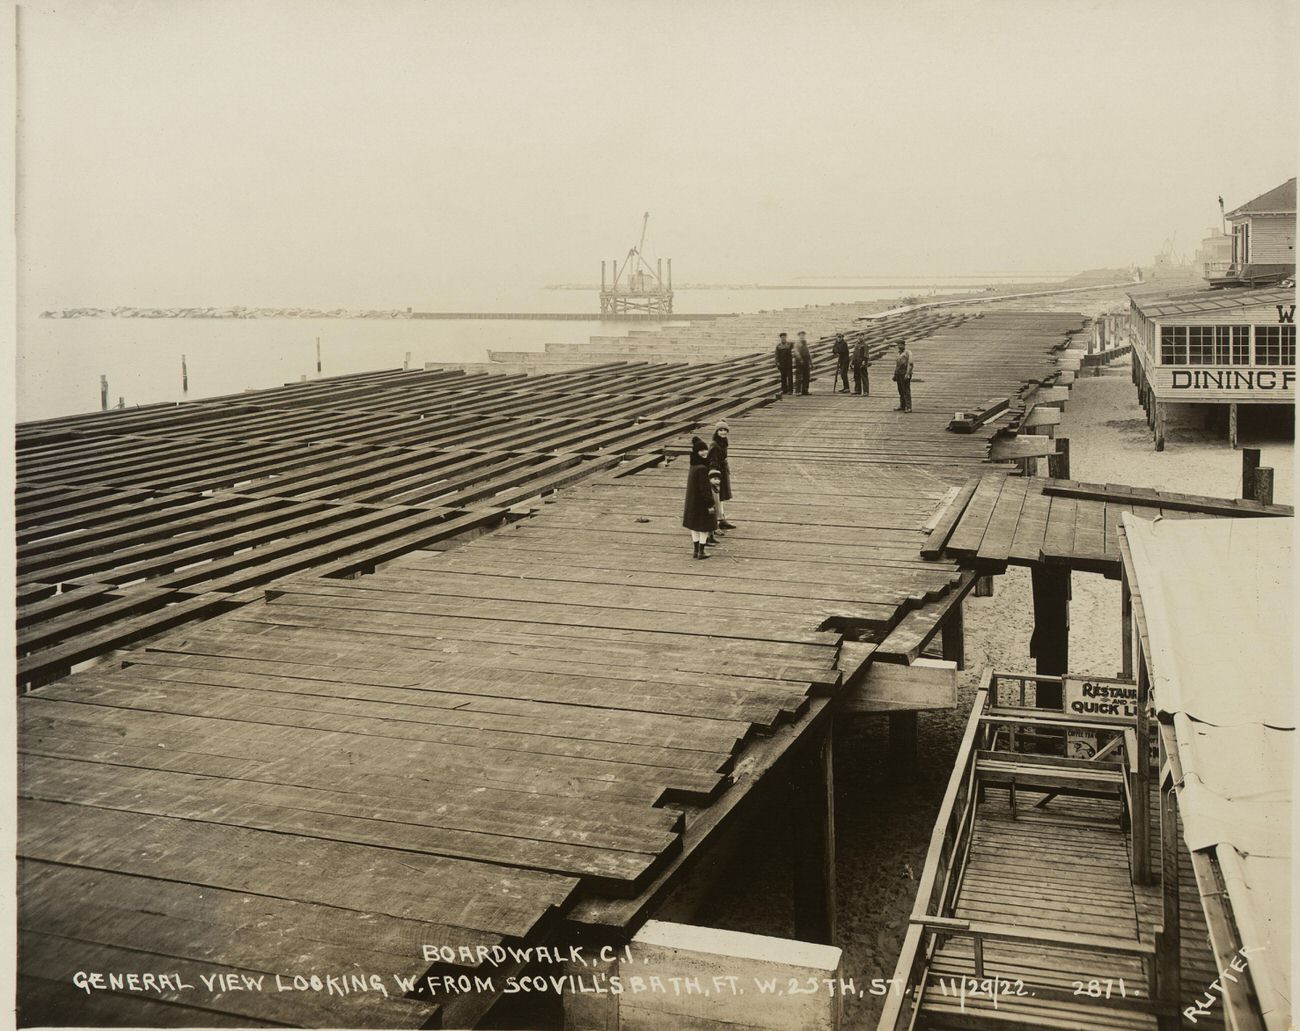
{"points": [[1050, 643], [1142, 780], [984, 587], [904, 760], [1232, 426], [1160, 425], [952, 638], [406, 362], [318, 356], [1263, 492], [185, 376], [1058, 465], [1125, 628], [1169, 946], [1249, 463], [813, 824], [103, 393]]}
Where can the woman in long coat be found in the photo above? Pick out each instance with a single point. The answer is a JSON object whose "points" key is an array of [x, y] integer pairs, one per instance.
{"points": [[718, 461], [699, 516]]}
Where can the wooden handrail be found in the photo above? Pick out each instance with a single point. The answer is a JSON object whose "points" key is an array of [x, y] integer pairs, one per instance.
{"points": [[893, 1010], [1028, 936]]}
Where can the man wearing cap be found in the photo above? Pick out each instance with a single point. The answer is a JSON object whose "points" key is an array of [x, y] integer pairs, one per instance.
{"points": [[903, 377], [841, 352], [718, 463], [802, 364], [785, 364], [861, 369]]}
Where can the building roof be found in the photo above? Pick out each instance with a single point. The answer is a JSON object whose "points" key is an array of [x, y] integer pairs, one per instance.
{"points": [[1218, 609], [1279, 200], [1197, 301]]}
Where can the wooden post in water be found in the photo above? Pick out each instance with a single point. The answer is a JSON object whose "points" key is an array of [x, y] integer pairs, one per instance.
{"points": [[813, 826], [103, 393], [406, 362], [1249, 463], [318, 356], [185, 376]]}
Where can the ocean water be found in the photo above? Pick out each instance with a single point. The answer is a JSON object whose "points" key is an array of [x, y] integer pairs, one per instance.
{"points": [[60, 361]]}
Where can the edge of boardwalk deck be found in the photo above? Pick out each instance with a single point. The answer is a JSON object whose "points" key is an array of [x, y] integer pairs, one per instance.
{"points": [[522, 737]]}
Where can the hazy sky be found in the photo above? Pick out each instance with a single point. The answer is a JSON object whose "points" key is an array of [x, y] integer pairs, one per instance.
{"points": [[446, 154]]}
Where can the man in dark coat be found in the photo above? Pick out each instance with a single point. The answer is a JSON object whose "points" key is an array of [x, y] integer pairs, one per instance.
{"points": [[718, 463], [861, 364], [785, 364], [802, 364], [903, 377], [699, 516], [841, 352]]}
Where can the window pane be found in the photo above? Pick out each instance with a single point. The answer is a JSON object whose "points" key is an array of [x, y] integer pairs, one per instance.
{"points": [[1240, 345], [1268, 345], [1173, 345]]}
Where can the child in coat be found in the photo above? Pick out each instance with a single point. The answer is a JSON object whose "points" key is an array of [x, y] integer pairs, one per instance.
{"points": [[718, 461], [699, 515]]}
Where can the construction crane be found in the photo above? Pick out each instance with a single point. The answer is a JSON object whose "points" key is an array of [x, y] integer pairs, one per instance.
{"points": [[636, 288]]}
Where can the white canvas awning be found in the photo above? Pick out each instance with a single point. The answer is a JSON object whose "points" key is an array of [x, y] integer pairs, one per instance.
{"points": [[1217, 597]]}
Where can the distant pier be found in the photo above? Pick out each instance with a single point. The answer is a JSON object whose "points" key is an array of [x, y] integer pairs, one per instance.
{"points": [[565, 316]]}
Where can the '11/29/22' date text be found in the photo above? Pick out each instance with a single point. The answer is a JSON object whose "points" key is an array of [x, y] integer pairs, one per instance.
{"points": [[995, 989]]}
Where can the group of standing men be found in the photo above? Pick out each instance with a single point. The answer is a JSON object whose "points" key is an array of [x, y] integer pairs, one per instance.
{"points": [[794, 362]]}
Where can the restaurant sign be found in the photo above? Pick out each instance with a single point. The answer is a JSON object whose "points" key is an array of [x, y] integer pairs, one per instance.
{"points": [[1090, 699]]}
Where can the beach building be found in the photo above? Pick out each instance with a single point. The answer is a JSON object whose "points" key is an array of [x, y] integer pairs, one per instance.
{"points": [[1263, 239], [1214, 256], [1208, 347]]}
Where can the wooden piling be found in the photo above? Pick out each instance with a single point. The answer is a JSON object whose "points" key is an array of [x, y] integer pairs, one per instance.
{"points": [[1050, 644], [1160, 426], [952, 637], [1058, 465], [1232, 425], [318, 356], [185, 376], [1125, 627], [1249, 463], [1263, 492], [1141, 763], [103, 393], [984, 587], [813, 826]]}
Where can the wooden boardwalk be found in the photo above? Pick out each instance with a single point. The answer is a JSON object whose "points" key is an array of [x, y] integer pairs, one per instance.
{"points": [[133, 522], [505, 740], [1000, 520]]}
